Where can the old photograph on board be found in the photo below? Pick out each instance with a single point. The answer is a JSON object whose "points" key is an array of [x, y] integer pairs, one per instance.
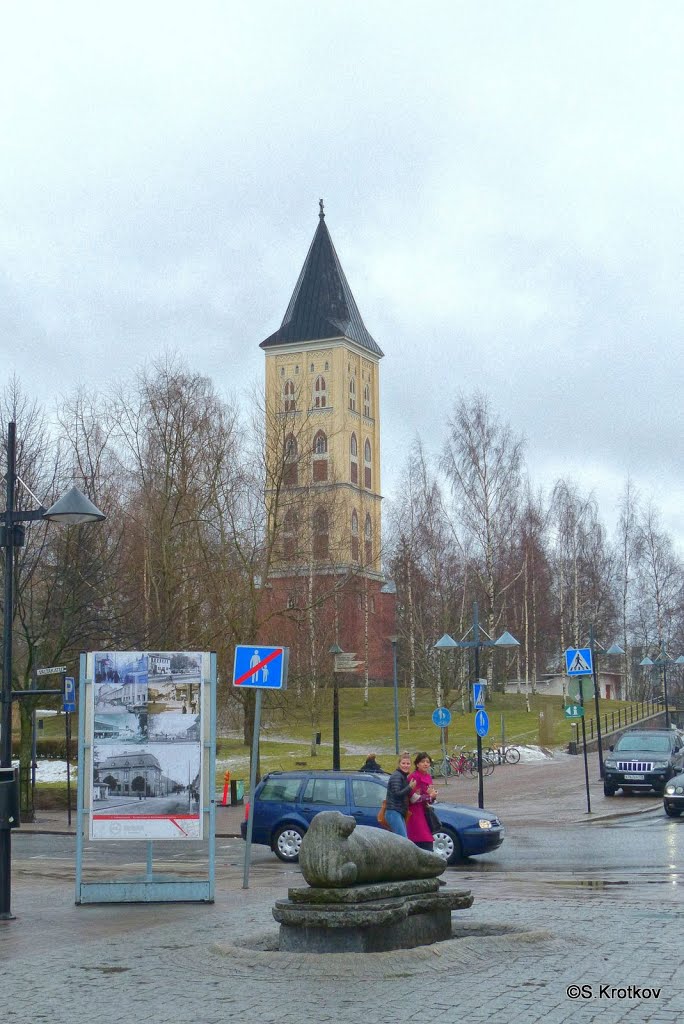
{"points": [[147, 745]]}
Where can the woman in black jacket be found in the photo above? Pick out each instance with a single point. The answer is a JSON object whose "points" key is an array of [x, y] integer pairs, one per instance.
{"points": [[399, 790]]}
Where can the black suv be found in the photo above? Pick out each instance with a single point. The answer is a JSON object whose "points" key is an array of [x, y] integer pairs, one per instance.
{"points": [[643, 759]]}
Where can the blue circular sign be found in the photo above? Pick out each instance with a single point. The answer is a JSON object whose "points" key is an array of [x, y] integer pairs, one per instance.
{"points": [[482, 723], [441, 717]]}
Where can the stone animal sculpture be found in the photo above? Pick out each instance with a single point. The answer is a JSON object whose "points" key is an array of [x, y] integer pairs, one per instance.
{"points": [[336, 852]]}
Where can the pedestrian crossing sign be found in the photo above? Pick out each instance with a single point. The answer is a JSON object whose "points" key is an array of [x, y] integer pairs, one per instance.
{"points": [[578, 661]]}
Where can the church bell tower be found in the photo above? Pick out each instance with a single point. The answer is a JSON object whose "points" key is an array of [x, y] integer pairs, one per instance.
{"points": [[323, 457]]}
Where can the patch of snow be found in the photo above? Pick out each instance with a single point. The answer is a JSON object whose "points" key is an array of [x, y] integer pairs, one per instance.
{"points": [[52, 771]]}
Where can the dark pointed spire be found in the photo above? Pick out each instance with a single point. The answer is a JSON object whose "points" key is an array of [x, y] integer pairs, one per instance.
{"points": [[322, 305]]}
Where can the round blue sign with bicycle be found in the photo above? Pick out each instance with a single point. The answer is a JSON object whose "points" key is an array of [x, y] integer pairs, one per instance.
{"points": [[441, 717], [482, 723]]}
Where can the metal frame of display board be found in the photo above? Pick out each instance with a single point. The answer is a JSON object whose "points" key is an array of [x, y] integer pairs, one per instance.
{"points": [[151, 887]]}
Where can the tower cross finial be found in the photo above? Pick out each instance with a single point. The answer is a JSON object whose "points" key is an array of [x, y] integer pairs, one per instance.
{"points": [[322, 212]]}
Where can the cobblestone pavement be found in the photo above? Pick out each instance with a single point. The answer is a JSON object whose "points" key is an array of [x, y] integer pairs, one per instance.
{"points": [[519, 948], [524, 942]]}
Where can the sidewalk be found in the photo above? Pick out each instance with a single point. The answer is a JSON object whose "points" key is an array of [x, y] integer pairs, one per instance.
{"points": [[551, 791]]}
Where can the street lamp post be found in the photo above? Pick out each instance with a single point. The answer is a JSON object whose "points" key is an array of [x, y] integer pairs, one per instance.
{"points": [[335, 650], [662, 661], [476, 644], [614, 649], [393, 640], [72, 507]]}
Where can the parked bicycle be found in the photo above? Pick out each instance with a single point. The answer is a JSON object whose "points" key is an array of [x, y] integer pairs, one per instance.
{"points": [[502, 755], [460, 762]]}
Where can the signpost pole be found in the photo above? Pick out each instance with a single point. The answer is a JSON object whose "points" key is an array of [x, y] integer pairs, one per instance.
{"points": [[476, 651], [584, 744], [67, 732], [252, 787], [595, 676]]}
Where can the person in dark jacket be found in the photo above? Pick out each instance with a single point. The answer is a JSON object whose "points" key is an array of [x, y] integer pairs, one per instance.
{"points": [[370, 765], [399, 790]]}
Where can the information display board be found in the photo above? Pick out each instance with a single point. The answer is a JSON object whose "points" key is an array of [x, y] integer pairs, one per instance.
{"points": [[144, 736]]}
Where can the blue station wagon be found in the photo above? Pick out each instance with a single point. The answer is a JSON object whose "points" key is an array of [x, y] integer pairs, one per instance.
{"points": [[285, 803]]}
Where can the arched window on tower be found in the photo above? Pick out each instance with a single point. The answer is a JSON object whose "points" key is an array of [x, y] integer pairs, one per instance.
{"points": [[289, 402], [352, 394], [354, 536], [366, 400], [290, 535], [368, 539], [353, 460], [320, 393], [367, 476], [320, 458], [320, 533], [290, 466]]}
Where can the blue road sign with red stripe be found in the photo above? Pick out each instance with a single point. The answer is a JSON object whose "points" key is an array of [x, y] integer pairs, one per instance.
{"points": [[261, 668]]}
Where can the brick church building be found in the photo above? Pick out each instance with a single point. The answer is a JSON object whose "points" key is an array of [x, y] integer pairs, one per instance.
{"points": [[325, 584]]}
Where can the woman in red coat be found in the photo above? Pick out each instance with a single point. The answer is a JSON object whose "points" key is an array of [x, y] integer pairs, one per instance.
{"points": [[417, 828]]}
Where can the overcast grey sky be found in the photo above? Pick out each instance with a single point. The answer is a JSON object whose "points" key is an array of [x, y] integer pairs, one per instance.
{"points": [[503, 185]]}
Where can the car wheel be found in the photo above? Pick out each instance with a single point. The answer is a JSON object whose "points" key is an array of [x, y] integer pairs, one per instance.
{"points": [[608, 790], [287, 842], [448, 845], [672, 812]]}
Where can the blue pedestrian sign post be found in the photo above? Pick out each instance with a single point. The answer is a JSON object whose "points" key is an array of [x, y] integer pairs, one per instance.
{"points": [[578, 661], [260, 668], [69, 702], [441, 717], [479, 695], [481, 723]]}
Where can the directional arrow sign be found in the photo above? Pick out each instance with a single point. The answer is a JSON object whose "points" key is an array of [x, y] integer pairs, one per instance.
{"points": [[482, 723], [574, 711], [578, 661]]}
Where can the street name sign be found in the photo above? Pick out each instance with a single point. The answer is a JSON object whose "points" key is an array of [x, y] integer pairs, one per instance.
{"points": [[441, 717], [54, 671], [260, 668], [482, 723], [346, 662], [574, 711], [578, 661]]}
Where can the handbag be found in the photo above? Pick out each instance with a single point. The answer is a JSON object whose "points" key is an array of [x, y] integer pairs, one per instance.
{"points": [[382, 820], [434, 824]]}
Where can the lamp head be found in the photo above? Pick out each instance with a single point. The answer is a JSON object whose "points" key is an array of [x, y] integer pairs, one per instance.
{"points": [[73, 507], [615, 649], [335, 649], [506, 640], [445, 643], [646, 662]]}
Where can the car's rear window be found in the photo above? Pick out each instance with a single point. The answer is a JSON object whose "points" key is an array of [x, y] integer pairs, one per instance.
{"points": [[280, 790], [660, 744], [326, 791]]}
